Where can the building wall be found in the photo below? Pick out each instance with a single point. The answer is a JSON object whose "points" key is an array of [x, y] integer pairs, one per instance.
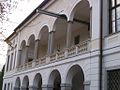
{"points": [[89, 61]]}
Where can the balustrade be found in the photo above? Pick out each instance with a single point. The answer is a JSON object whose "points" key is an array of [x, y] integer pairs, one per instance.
{"points": [[74, 50]]}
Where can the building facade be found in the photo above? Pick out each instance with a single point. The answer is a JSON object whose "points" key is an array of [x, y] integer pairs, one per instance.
{"points": [[66, 45]]}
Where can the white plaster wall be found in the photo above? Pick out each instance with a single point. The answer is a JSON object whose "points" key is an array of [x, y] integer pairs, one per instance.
{"points": [[88, 62]]}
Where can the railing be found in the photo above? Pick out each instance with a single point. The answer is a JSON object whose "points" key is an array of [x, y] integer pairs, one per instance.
{"points": [[57, 56]]}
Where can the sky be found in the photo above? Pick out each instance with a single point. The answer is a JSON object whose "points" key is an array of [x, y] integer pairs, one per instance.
{"points": [[25, 7]]}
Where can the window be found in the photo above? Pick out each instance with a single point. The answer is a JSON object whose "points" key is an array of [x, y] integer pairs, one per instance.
{"points": [[11, 61], [114, 15], [113, 80], [77, 40], [14, 60], [8, 63], [8, 86], [5, 87]]}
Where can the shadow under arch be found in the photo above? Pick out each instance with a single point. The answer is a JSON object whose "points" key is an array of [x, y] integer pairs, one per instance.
{"points": [[55, 80], [37, 83], [17, 84], [43, 41], [75, 77], [31, 48], [25, 83]]}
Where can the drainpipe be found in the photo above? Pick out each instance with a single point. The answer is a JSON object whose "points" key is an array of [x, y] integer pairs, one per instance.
{"points": [[101, 45]]}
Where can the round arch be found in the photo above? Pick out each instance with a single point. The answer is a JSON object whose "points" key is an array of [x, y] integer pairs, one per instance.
{"points": [[75, 73], [44, 29], [22, 55], [23, 44], [31, 38], [79, 6], [55, 80], [37, 83], [25, 83], [31, 48], [60, 33], [43, 41]]}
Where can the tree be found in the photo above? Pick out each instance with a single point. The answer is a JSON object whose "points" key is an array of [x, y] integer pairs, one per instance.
{"points": [[1, 77], [6, 8]]}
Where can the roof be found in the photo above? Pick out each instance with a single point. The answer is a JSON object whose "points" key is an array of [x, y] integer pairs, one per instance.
{"points": [[31, 15]]}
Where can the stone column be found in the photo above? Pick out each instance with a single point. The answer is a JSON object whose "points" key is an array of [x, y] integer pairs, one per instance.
{"points": [[19, 57], [69, 32], [66, 86], [51, 42], [87, 85], [36, 49], [26, 54], [47, 87]]}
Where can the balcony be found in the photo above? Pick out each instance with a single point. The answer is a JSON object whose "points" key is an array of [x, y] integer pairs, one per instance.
{"points": [[65, 40], [78, 49]]}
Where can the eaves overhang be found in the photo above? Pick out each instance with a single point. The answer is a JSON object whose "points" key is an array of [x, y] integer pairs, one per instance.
{"points": [[25, 20]]}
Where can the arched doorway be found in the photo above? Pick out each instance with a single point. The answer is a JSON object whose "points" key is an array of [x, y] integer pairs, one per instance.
{"points": [[55, 80], [43, 43], [81, 22], [25, 83], [75, 78], [31, 48], [37, 82], [17, 84]]}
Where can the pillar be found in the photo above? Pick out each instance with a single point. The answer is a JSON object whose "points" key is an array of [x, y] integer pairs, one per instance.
{"points": [[19, 57], [69, 32], [66, 86], [36, 49], [47, 87], [51, 42], [26, 54], [87, 85]]}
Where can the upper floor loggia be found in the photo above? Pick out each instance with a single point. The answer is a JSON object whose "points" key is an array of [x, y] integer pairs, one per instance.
{"points": [[70, 36]]}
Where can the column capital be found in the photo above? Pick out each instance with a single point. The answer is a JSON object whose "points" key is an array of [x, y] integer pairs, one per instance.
{"points": [[53, 31], [27, 46], [66, 86], [33, 87], [87, 85], [20, 50], [47, 86], [22, 88], [37, 40], [70, 21], [87, 82]]}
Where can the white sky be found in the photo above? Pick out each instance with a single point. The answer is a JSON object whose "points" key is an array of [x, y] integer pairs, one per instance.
{"points": [[23, 10]]}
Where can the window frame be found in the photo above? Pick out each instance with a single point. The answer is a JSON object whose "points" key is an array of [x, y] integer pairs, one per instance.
{"points": [[111, 8]]}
